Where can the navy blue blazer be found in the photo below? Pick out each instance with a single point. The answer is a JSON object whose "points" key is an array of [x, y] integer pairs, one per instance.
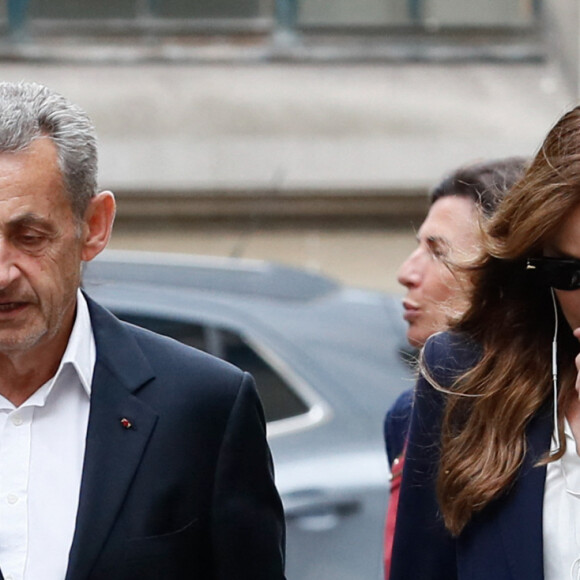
{"points": [[187, 491], [504, 540]]}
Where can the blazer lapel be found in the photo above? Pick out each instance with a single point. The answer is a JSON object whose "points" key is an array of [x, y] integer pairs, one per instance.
{"points": [[119, 429]]}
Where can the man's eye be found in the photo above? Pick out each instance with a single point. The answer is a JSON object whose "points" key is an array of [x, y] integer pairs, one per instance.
{"points": [[30, 240]]}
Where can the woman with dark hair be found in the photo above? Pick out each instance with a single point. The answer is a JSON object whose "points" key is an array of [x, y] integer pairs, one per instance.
{"points": [[491, 485], [449, 234]]}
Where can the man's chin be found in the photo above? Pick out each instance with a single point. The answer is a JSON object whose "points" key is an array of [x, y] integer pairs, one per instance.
{"points": [[12, 343]]}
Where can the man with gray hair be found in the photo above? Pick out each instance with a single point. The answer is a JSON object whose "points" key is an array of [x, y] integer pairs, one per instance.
{"points": [[123, 454]]}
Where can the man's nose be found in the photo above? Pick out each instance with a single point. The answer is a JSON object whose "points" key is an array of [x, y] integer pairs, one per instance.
{"points": [[9, 270]]}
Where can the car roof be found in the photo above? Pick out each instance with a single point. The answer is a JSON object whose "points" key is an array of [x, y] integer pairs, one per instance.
{"points": [[343, 341], [236, 276]]}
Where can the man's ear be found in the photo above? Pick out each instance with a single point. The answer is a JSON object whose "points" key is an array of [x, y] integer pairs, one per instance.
{"points": [[97, 225]]}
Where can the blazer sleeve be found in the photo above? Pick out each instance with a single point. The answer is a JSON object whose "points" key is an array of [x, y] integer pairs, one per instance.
{"points": [[423, 549], [396, 425], [248, 532]]}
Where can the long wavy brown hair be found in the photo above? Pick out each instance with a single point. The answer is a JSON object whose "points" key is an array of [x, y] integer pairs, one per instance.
{"points": [[483, 439]]}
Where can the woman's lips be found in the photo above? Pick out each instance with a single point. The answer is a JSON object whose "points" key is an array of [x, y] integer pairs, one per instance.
{"points": [[411, 310]]}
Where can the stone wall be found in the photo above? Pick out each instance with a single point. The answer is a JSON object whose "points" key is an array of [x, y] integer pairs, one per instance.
{"points": [[563, 29]]}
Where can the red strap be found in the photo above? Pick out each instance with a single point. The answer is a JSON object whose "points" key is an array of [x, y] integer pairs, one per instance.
{"points": [[396, 476]]}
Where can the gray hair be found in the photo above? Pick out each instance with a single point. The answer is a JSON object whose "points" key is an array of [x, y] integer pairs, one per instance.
{"points": [[29, 111]]}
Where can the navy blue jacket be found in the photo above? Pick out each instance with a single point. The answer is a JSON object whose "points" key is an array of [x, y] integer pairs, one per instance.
{"points": [[187, 491], [504, 540]]}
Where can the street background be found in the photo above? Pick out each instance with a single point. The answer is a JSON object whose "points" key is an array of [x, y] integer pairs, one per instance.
{"points": [[307, 132], [323, 167], [364, 257], [314, 149]]}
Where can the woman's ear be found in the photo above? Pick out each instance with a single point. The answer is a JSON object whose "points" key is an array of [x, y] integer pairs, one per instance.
{"points": [[97, 225]]}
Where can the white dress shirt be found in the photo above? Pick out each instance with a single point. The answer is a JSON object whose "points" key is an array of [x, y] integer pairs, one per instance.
{"points": [[561, 511], [42, 446]]}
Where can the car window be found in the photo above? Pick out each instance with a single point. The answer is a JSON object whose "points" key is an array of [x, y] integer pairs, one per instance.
{"points": [[280, 401], [191, 334], [278, 398]]}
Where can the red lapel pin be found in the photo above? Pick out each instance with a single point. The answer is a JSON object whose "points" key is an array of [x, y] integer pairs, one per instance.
{"points": [[126, 423]]}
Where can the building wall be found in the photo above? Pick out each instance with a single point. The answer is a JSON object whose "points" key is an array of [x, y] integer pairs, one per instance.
{"points": [[563, 25]]}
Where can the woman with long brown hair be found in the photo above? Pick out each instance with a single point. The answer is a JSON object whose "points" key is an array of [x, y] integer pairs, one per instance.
{"points": [[491, 486]]}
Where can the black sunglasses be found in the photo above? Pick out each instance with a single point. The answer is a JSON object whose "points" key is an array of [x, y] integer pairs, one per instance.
{"points": [[559, 273]]}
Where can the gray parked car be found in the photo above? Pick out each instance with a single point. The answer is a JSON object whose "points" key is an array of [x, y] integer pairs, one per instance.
{"points": [[327, 362]]}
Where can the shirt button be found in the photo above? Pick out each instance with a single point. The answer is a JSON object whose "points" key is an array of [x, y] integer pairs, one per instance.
{"points": [[17, 420], [12, 498]]}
